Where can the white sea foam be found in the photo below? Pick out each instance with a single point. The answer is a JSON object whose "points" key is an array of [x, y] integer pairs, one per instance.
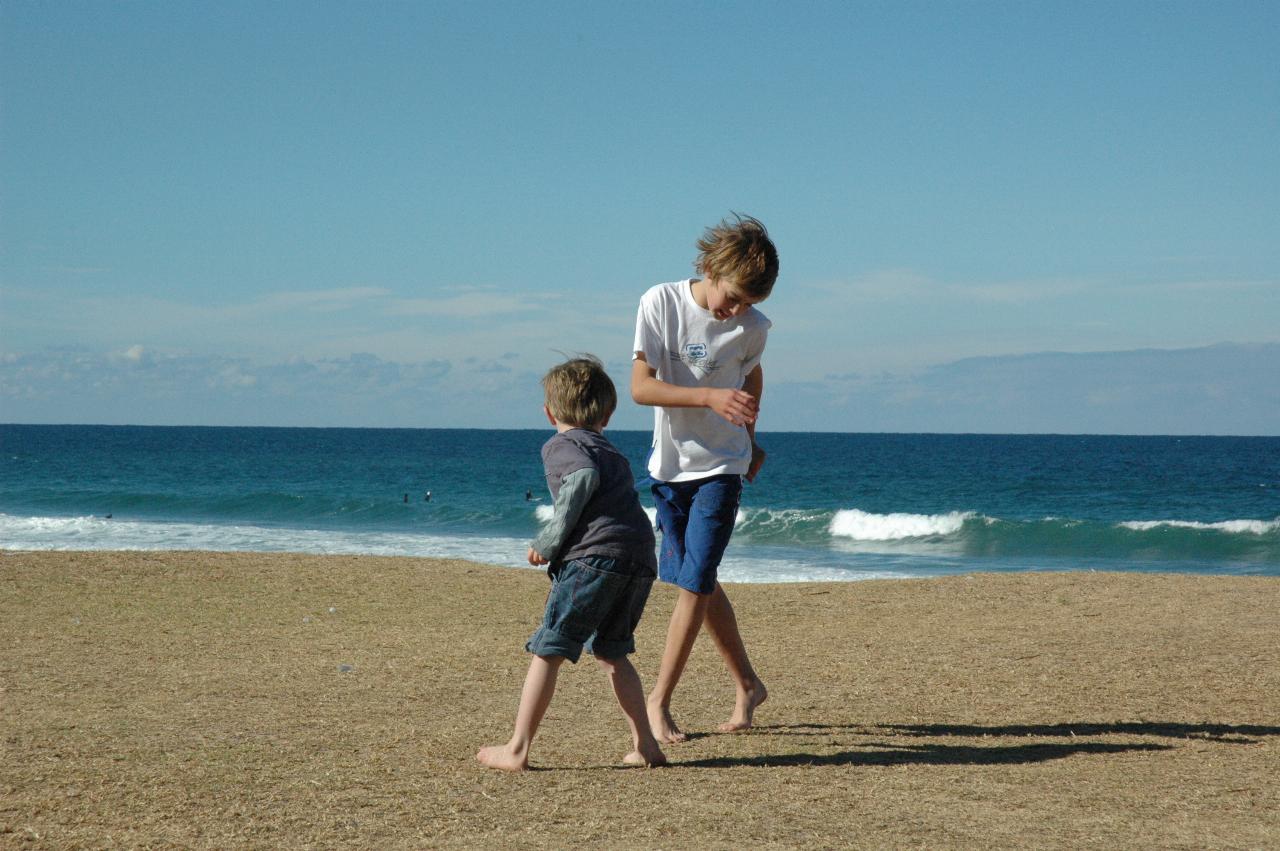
{"points": [[544, 513], [865, 526], [96, 533], [783, 570], [779, 518], [653, 516], [1234, 527], [100, 534]]}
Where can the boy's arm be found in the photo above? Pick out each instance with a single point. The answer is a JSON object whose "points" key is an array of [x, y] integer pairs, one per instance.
{"points": [[754, 384], [576, 489], [737, 406]]}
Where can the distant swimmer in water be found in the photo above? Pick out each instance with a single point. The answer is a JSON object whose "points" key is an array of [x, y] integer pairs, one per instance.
{"points": [[528, 495], [108, 517], [426, 497]]}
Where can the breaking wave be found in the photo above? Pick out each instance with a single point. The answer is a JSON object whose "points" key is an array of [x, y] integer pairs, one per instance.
{"points": [[1232, 527], [865, 526]]}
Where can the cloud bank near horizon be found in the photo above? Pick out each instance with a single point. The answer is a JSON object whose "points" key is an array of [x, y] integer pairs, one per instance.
{"points": [[1228, 388]]}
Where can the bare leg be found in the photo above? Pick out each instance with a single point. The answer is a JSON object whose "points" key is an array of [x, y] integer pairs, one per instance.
{"points": [[723, 626], [686, 620], [630, 694], [539, 686]]}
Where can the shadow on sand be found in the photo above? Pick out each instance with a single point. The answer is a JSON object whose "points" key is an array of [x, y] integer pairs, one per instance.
{"points": [[889, 753], [1240, 734], [886, 754]]}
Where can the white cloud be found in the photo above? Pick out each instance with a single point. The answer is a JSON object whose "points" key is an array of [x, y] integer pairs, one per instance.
{"points": [[1216, 286], [321, 300], [468, 305], [1016, 292], [72, 270], [76, 385], [319, 324], [1220, 389], [881, 285], [907, 285]]}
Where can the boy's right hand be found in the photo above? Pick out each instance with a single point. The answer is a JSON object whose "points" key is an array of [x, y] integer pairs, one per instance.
{"points": [[535, 558], [736, 406]]}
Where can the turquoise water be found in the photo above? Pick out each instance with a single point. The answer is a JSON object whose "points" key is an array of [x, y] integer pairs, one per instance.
{"points": [[826, 506]]}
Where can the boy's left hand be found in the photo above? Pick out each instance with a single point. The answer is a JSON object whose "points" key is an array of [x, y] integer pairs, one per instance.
{"points": [[757, 461], [535, 558]]}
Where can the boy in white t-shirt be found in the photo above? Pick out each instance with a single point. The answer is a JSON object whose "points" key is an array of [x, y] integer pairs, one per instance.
{"points": [[697, 361]]}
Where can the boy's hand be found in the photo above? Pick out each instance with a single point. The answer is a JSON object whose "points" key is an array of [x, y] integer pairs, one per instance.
{"points": [[736, 406], [757, 461], [535, 558]]}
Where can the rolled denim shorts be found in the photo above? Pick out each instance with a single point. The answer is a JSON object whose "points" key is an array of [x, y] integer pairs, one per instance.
{"points": [[696, 519], [595, 602]]}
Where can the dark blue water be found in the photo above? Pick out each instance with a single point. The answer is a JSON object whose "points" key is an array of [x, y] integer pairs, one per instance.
{"points": [[826, 506]]}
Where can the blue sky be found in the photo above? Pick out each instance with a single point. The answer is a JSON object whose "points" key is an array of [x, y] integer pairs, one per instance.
{"points": [[398, 213]]}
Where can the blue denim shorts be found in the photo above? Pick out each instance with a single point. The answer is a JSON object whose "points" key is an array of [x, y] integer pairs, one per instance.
{"points": [[596, 603], [696, 519]]}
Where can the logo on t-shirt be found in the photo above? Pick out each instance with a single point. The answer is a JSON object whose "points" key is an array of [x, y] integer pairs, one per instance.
{"points": [[697, 357]]}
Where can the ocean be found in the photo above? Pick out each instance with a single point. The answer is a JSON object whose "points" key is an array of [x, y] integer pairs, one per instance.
{"points": [[826, 507]]}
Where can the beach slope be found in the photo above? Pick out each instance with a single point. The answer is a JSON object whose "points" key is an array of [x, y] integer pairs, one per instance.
{"points": [[214, 700]]}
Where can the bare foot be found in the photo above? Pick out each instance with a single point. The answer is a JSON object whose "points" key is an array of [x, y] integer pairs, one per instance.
{"points": [[663, 725], [655, 759], [745, 708], [502, 758]]}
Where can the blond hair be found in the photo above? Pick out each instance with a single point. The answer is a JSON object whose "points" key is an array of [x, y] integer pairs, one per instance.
{"points": [[739, 251], [579, 392]]}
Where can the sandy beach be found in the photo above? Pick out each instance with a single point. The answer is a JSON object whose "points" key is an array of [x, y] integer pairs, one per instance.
{"points": [[240, 700]]}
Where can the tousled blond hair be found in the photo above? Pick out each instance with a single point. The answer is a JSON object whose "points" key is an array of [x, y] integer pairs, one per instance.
{"points": [[739, 250], [579, 392]]}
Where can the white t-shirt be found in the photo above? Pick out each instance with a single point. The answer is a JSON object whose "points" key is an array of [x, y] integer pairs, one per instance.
{"points": [[689, 347]]}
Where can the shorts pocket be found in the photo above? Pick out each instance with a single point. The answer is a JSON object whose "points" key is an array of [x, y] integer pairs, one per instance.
{"points": [[589, 585]]}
